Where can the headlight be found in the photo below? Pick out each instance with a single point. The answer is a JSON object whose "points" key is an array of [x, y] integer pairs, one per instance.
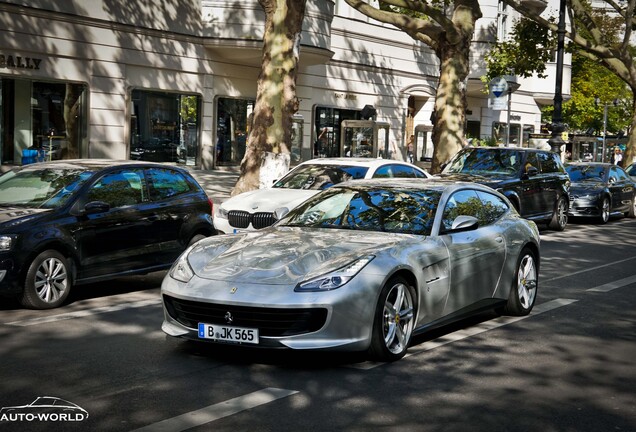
{"points": [[335, 279], [181, 269], [6, 242], [588, 197]]}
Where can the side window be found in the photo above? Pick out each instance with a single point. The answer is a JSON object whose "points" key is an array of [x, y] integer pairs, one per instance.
{"points": [[493, 208], [383, 172], [403, 171], [165, 183], [531, 161], [621, 174], [119, 189], [461, 203], [549, 163]]}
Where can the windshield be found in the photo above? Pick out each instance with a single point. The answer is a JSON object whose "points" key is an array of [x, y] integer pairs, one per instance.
{"points": [[482, 161], [580, 173], [40, 188], [390, 210], [318, 177]]}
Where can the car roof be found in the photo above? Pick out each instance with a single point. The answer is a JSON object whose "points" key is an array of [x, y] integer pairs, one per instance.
{"points": [[92, 164], [410, 183], [509, 148], [583, 163], [366, 162]]}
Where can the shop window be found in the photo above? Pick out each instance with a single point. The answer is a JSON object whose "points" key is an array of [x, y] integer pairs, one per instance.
{"points": [[45, 120], [164, 127], [233, 125], [327, 122]]}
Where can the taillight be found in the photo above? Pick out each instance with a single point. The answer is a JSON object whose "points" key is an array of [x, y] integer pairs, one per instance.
{"points": [[211, 206]]}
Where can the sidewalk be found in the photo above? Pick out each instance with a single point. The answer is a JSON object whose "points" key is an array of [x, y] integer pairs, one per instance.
{"points": [[217, 183]]}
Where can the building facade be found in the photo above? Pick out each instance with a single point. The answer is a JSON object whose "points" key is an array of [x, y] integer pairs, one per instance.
{"points": [[175, 81]]}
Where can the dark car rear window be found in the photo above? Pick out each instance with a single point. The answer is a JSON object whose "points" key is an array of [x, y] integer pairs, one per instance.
{"points": [[318, 177]]}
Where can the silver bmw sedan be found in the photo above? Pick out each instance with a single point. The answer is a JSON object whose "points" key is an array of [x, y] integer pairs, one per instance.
{"points": [[361, 266]]}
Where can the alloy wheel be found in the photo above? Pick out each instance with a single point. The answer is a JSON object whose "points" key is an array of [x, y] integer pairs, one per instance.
{"points": [[398, 318], [527, 281], [51, 280]]}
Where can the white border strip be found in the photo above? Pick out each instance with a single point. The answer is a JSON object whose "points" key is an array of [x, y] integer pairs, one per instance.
{"points": [[217, 411], [613, 285]]}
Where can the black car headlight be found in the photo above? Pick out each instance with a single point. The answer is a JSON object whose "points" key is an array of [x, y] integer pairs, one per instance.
{"points": [[335, 279], [7, 242]]}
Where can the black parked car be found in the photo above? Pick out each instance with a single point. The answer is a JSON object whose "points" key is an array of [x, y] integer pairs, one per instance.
{"points": [[535, 181], [600, 190], [70, 222]]}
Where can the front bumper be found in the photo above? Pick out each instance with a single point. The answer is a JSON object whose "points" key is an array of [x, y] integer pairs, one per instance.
{"points": [[584, 208], [345, 326]]}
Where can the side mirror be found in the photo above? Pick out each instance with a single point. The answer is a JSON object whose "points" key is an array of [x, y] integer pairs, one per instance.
{"points": [[95, 207], [532, 171], [612, 180], [280, 213], [464, 223]]}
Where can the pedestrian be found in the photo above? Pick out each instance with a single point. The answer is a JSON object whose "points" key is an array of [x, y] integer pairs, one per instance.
{"points": [[617, 157]]}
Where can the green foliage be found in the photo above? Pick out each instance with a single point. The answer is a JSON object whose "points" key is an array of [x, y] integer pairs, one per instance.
{"points": [[591, 80], [527, 51]]}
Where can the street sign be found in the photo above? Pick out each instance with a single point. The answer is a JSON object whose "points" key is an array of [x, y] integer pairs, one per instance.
{"points": [[498, 86]]}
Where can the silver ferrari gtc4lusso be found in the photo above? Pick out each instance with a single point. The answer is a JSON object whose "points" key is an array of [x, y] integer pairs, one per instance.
{"points": [[362, 266]]}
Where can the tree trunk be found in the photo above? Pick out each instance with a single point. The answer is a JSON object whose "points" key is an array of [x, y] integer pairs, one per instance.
{"points": [[276, 101], [630, 149], [449, 115]]}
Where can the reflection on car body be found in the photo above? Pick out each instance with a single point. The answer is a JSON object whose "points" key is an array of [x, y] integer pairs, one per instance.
{"points": [[362, 265]]}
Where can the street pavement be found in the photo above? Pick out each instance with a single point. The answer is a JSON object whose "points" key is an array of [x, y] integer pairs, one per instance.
{"points": [[217, 183]]}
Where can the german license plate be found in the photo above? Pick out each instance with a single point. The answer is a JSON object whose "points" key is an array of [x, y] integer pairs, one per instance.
{"points": [[228, 333]]}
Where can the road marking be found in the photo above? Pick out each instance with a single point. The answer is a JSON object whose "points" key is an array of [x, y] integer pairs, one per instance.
{"points": [[84, 313], [588, 269], [217, 411], [613, 285], [473, 330]]}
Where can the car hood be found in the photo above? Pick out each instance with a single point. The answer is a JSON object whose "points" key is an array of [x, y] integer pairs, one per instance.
{"points": [[578, 188], [12, 216], [284, 255], [268, 200]]}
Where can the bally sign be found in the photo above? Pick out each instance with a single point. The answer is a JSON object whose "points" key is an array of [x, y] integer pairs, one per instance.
{"points": [[19, 62]]}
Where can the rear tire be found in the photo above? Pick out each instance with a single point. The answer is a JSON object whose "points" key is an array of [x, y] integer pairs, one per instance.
{"points": [[394, 321], [560, 215], [195, 238], [47, 282], [523, 291]]}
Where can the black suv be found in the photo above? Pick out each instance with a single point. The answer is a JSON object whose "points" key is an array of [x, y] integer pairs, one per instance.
{"points": [[535, 181], [70, 222]]}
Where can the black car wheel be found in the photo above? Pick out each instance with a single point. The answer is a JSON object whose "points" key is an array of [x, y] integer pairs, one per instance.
{"points": [[523, 291], [195, 239], [560, 215], [605, 210], [394, 321], [47, 282]]}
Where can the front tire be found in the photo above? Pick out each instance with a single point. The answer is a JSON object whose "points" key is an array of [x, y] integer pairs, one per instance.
{"points": [[631, 213], [560, 215], [47, 282], [605, 210], [394, 321], [523, 291]]}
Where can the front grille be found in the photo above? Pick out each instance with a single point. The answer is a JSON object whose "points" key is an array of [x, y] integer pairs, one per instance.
{"points": [[268, 321], [242, 219]]}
